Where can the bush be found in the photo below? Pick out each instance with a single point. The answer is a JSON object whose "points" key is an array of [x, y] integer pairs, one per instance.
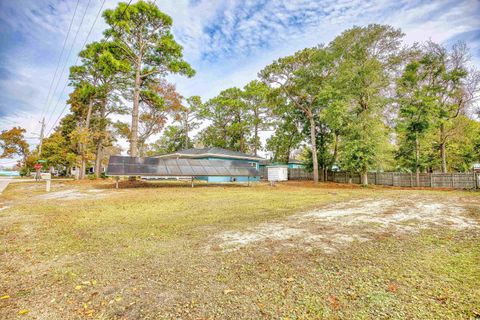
{"points": [[91, 177], [24, 171]]}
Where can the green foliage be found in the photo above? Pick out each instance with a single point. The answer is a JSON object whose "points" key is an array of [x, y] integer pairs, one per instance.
{"points": [[230, 121], [367, 58], [287, 137], [144, 35], [58, 152], [172, 140], [361, 103]]}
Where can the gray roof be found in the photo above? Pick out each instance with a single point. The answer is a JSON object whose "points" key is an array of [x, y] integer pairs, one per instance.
{"points": [[295, 161], [136, 166], [209, 152], [269, 161]]}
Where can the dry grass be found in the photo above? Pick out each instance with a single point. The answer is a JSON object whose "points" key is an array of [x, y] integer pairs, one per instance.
{"points": [[147, 253]]}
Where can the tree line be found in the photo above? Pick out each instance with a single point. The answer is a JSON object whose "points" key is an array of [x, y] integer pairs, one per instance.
{"points": [[363, 102]]}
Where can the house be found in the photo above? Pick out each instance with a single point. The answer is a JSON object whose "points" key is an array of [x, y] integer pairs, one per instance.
{"points": [[476, 167], [295, 164], [217, 154], [292, 164]]}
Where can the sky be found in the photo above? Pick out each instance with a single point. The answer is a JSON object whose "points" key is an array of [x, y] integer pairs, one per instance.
{"points": [[227, 42]]}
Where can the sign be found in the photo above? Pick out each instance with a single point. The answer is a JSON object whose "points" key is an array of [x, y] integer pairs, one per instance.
{"points": [[46, 176], [41, 161], [37, 166]]}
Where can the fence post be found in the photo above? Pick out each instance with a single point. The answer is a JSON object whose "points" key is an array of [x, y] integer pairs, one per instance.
{"points": [[431, 179], [474, 181], [375, 177], [451, 179]]}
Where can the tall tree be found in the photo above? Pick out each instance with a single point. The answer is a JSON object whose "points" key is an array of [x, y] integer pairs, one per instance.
{"points": [[295, 79], [255, 97], [367, 60], [454, 87], [156, 103], [143, 32], [100, 73], [416, 111]]}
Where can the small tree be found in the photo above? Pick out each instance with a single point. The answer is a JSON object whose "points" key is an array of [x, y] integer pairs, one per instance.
{"points": [[172, 139], [229, 121], [187, 117], [13, 143]]}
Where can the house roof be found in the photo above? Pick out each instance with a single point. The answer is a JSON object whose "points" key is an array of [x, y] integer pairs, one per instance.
{"points": [[269, 161], [168, 167], [295, 161], [209, 152]]}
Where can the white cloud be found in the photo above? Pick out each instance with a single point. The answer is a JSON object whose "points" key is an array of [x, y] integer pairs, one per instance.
{"points": [[227, 42]]}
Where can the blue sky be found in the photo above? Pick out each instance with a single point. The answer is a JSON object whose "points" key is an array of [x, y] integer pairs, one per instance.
{"points": [[227, 42]]}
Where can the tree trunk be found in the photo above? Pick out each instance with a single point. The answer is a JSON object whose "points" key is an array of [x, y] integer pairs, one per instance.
{"points": [[314, 148], [255, 135], [83, 164], [443, 153], [417, 161], [364, 176], [135, 111], [186, 132], [335, 152], [99, 153], [98, 160]]}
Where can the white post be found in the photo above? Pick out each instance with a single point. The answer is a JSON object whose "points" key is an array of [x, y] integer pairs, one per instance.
{"points": [[48, 178]]}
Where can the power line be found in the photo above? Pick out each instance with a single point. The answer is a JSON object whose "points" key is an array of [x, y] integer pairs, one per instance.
{"points": [[68, 57], [59, 59], [104, 40]]}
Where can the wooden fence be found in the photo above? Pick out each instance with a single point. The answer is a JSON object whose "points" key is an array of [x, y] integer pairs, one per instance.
{"points": [[468, 180]]}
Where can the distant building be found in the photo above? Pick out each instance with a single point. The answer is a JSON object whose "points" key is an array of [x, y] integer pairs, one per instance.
{"points": [[476, 167], [217, 154], [292, 164]]}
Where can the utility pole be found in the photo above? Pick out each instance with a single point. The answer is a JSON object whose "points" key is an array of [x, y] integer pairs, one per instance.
{"points": [[42, 130]]}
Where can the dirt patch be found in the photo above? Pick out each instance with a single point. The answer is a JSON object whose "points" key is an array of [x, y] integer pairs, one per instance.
{"points": [[71, 194], [337, 225]]}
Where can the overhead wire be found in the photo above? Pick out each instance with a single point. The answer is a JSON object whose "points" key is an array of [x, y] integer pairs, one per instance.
{"points": [[66, 62], [104, 40], [59, 60]]}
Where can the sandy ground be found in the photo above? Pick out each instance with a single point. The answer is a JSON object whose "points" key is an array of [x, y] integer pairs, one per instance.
{"points": [[72, 194], [337, 225], [4, 183]]}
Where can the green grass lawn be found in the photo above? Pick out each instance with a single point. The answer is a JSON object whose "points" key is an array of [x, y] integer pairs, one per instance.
{"points": [[150, 253]]}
